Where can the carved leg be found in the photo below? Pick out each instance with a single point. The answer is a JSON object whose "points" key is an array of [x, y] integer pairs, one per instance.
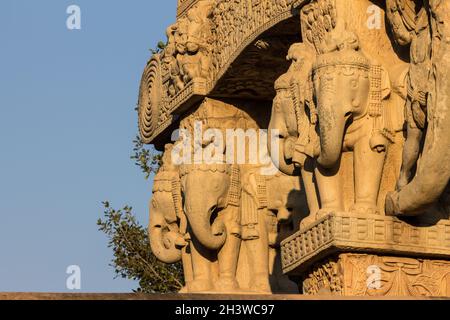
{"points": [[410, 154], [201, 266], [368, 168], [280, 282], [311, 194], [228, 255], [284, 284], [329, 185], [258, 257], [186, 258]]}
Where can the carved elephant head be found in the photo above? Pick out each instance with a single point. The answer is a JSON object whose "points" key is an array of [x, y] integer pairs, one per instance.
{"points": [[206, 189], [285, 119], [342, 87], [166, 240]]}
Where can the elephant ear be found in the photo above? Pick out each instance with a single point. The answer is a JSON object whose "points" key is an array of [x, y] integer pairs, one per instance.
{"points": [[150, 94]]}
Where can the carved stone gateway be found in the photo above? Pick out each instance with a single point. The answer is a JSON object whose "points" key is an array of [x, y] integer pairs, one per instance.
{"points": [[306, 146]]}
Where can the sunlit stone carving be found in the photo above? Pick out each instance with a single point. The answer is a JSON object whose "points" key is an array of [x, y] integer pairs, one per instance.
{"points": [[358, 141]]}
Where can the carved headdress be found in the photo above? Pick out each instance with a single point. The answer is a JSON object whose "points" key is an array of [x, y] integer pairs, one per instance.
{"points": [[347, 53]]}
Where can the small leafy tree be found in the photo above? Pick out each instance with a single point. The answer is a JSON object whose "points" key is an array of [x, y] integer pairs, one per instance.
{"points": [[133, 258], [149, 160], [159, 47]]}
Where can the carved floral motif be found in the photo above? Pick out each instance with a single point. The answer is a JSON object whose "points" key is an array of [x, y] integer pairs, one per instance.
{"points": [[356, 275]]}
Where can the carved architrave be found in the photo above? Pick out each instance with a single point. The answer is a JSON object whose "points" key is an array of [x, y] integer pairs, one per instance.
{"points": [[214, 33]]}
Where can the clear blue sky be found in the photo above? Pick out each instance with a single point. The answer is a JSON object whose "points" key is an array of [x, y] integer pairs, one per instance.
{"points": [[66, 127]]}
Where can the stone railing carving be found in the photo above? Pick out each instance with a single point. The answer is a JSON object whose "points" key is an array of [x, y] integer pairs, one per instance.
{"points": [[346, 232]]}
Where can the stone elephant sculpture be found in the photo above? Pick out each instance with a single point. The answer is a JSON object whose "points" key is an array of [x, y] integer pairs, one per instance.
{"points": [[293, 124], [224, 219], [286, 206], [193, 218], [239, 211], [211, 191], [166, 238], [210, 205], [167, 229], [349, 93]]}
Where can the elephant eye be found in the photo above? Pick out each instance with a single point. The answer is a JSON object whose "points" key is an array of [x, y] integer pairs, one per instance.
{"points": [[216, 186]]}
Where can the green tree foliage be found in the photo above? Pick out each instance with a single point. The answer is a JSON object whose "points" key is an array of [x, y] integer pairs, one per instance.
{"points": [[149, 160], [159, 47], [133, 258]]}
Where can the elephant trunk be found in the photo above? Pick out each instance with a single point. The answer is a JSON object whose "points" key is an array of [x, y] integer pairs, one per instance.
{"points": [[284, 215], [163, 243], [332, 127], [212, 237], [278, 136]]}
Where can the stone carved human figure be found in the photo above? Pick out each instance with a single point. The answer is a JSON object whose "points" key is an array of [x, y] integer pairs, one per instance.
{"points": [[431, 180], [413, 29], [269, 205], [169, 60], [187, 54], [193, 54], [263, 206]]}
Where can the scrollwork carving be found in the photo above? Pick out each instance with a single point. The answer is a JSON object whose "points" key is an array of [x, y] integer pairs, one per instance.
{"points": [[150, 95]]}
